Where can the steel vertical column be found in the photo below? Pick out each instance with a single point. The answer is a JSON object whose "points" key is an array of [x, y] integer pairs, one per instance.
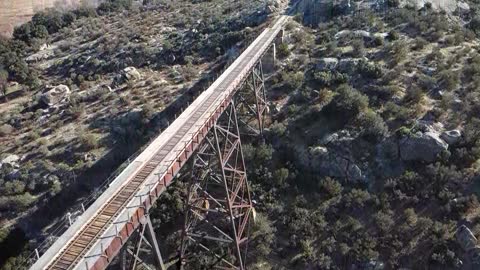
{"points": [[260, 95], [218, 205], [145, 235]]}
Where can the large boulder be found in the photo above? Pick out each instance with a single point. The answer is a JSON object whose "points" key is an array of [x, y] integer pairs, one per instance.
{"points": [[362, 34], [388, 158], [330, 163], [422, 146], [328, 63], [131, 74], [451, 136], [11, 161], [463, 9], [465, 238], [40, 55], [333, 157], [56, 96], [349, 65]]}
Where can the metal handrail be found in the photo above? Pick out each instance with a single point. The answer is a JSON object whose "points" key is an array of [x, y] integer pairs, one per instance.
{"points": [[61, 227]]}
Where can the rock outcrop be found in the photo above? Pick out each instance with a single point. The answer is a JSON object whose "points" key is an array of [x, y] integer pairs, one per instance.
{"points": [[128, 74], [328, 63], [422, 147], [465, 238], [11, 161], [349, 65], [56, 96], [451, 136], [353, 34], [333, 158], [131, 74], [388, 157], [329, 163]]}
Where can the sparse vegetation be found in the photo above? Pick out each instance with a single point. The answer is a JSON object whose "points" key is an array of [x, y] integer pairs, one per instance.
{"points": [[333, 183]]}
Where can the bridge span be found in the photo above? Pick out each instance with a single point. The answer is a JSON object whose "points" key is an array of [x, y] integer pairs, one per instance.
{"points": [[101, 232]]}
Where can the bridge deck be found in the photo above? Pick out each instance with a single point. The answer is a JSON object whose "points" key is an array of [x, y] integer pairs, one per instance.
{"points": [[98, 234]]}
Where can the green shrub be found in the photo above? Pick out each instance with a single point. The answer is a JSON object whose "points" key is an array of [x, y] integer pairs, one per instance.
{"points": [[34, 135], [280, 176], [88, 141], [358, 48], [264, 153], [85, 11], [331, 48], [393, 35], [329, 78], [449, 79], [475, 24], [398, 51], [293, 80], [414, 95], [330, 187], [76, 110], [372, 125], [4, 234], [356, 198], [370, 70], [283, 51], [395, 111], [349, 100], [426, 82], [5, 130], [51, 19], [16, 202], [278, 129], [114, 5], [378, 41], [69, 17], [393, 3], [420, 43], [14, 187]]}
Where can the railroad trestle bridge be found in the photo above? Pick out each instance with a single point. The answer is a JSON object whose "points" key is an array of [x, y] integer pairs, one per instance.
{"points": [[219, 204]]}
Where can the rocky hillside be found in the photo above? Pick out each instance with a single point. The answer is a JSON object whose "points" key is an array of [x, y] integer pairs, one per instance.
{"points": [[371, 159]]}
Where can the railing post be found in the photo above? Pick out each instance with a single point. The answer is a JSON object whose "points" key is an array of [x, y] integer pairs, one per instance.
{"points": [[69, 217]]}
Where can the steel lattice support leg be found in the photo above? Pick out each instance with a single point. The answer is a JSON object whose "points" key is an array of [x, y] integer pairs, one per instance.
{"points": [[252, 101], [145, 237], [218, 206]]}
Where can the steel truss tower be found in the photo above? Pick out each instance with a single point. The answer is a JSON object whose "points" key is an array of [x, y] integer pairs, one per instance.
{"points": [[219, 205]]}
